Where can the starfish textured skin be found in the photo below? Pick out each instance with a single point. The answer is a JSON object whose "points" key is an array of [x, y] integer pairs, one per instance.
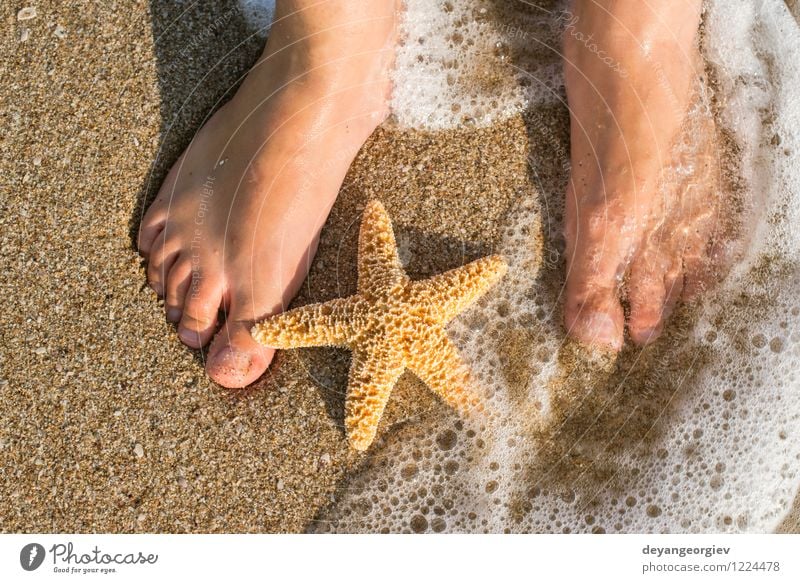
{"points": [[391, 324]]}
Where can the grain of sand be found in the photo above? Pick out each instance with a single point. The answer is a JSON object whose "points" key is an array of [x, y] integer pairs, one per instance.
{"points": [[107, 422]]}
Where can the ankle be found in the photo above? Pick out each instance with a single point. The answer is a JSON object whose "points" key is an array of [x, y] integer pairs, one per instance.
{"points": [[349, 55], [629, 38], [315, 35]]}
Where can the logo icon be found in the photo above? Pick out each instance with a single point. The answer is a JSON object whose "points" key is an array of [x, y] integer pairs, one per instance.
{"points": [[31, 556]]}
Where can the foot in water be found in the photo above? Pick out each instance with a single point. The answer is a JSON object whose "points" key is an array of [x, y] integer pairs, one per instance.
{"points": [[642, 202], [235, 225]]}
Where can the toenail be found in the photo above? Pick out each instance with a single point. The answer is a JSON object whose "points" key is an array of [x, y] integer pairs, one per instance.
{"points": [[648, 335], [173, 314], [189, 336], [601, 328], [156, 288], [231, 358]]}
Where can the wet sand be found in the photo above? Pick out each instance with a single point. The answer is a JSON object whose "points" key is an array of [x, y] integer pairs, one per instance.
{"points": [[108, 422]]}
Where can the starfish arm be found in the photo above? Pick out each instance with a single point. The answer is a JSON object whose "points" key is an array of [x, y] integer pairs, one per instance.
{"points": [[379, 267], [437, 363], [448, 294], [373, 374], [328, 324]]}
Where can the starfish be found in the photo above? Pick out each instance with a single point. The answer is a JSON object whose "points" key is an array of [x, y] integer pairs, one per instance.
{"points": [[391, 324]]}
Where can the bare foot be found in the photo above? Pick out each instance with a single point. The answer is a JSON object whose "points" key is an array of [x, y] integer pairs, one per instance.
{"points": [[642, 202], [236, 222]]}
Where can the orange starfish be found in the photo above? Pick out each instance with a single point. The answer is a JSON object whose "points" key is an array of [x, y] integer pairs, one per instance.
{"points": [[391, 324]]}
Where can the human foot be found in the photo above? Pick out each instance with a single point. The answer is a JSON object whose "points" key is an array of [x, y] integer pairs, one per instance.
{"points": [[641, 204], [236, 222]]}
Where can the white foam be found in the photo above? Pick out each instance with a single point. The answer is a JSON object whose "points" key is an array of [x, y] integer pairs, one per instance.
{"points": [[455, 66]]}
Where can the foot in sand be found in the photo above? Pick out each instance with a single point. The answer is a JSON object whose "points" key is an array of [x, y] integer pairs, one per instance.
{"points": [[236, 223], [642, 200]]}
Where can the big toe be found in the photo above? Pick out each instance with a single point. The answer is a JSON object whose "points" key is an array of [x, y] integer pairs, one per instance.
{"points": [[235, 360], [593, 315], [592, 312]]}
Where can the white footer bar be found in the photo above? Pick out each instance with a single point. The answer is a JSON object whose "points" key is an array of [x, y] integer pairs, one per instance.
{"points": [[461, 558]]}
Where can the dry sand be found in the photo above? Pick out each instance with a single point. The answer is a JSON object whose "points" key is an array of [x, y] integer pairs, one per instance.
{"points": [[107, 422]]}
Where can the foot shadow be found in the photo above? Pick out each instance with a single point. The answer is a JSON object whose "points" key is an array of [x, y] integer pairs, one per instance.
{"points": [[202, 53]]}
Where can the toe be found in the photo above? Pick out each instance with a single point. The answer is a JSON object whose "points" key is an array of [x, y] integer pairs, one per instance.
{"points": [[200, 308], [698, 277], [592, 310], [155, 219], [654, 287], [594, 316], [147, 237], [150, 228], [162, 256], [700, 261], [180, 276], [235, 360]]}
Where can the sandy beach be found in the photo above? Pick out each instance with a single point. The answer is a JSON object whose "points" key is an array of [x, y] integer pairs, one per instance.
{"points": [[107, 422]]}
